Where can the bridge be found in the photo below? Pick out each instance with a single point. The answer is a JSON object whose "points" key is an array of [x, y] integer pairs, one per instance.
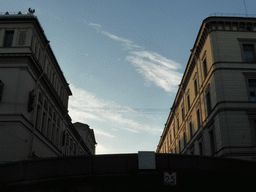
{"points": [[125, 172]]}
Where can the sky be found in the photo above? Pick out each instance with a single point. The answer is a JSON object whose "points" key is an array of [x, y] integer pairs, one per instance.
{"points": [[124, 60]]}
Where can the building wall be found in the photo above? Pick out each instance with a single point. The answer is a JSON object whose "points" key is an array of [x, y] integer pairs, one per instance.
{"points": [[13, 137], [232, 113], [29, 65]]}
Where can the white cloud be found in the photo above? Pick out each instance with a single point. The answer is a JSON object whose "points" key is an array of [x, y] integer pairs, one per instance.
{"points": [[95, 25], [100, 132], [84, 100], [128, 44], [135, 127], [155, 68], [85, 106]]}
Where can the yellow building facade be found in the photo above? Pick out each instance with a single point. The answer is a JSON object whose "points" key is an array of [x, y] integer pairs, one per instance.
{"points": [[214, 111]]}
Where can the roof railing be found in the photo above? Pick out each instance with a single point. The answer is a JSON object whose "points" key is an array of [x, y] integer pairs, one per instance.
{"points": [[231, 15], [16, 13]]}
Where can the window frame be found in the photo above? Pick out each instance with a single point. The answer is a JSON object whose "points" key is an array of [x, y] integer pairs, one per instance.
{"points": [[208, 102], [245, 59], [248, 87], [249, 75], [5, 42], [205, 68], [243, 41], [212, 140]]}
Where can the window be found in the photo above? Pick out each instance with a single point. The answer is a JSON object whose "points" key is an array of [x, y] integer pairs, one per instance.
{"points": [[208, 102], [38, 117], [195, 87], [1, 89], [205, 68], [178, 124], [8, 38], [190, 130], [198, 118], [185, 138], [249, 53], [63, 138], [212, 141], [49, 129], [200, 145], [188, 99], [182, 113], [53, 133], [44, 124], [252, 89]]}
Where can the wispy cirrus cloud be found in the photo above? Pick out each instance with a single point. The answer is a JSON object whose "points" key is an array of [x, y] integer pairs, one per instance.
{"points": [[95, 25], [127, 44], [85, 106], [155, 68]]}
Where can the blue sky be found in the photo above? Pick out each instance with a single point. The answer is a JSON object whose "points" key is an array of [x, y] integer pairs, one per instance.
{"points": [[123, 60]]}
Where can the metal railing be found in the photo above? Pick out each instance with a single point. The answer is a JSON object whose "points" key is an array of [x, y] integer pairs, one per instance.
{"points": [[231, 15], [15, 13]]}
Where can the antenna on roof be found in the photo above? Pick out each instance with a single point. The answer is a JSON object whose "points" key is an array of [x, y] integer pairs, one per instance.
{"points": [[245, 8]]}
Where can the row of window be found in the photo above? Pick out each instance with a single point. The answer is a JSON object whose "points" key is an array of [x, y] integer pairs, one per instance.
{"points": [[50, 124], [192, 126], [44, 61], [48, 68], [252, 97], [200, 144]]}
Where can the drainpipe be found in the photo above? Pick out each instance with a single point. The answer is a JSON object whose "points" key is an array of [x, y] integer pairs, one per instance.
{"points": [[35, 113]]}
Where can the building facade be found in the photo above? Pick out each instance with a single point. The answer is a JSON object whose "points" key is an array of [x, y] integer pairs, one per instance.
{"points": [[34, 93], [87, 135], [214, 111]]}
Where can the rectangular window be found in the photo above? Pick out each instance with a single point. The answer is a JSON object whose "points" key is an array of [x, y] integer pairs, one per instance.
{"points": [[182, 113], [252, 89], [212, 141], [254, 131], [195, 87], [38, 118], [178, 124], [8, 38], [188, 99], [198, 118], [49, 129], [208, 102], [205, 68], [185, 139], [63, 138], [249, 53], [190, 130], [53, 133], [200, 145], [1, 89], [44, 124]]}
